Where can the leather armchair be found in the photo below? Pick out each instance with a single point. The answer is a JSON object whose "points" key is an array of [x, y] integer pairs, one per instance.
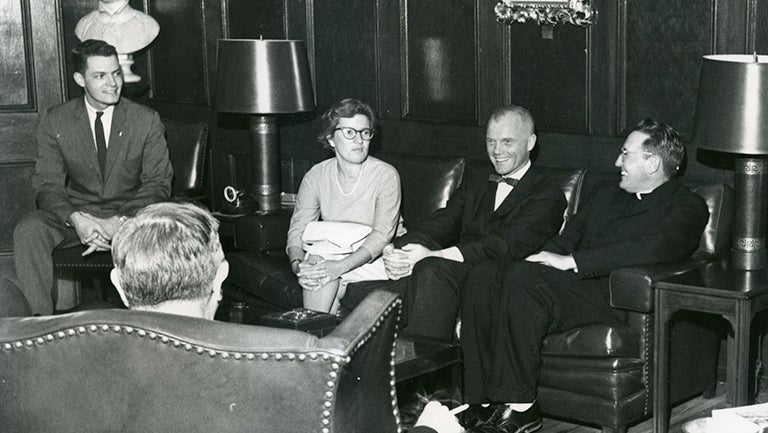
{"points": [[604, 374], [131, 371], [187, 150]]}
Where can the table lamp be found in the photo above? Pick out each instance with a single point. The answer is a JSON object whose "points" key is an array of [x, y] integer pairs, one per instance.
{"points": [[732, 117], [263, 78]]}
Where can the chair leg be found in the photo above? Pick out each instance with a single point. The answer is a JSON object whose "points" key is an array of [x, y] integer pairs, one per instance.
{"points": [[711, 389], [68, 292]]}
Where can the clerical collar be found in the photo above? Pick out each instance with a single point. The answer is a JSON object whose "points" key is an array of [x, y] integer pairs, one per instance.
{"points": [[113, 8], [640, 194]]}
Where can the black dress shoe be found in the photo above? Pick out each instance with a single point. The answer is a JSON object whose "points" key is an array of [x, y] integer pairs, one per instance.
{"points": [[478, 415], [518, 422]]}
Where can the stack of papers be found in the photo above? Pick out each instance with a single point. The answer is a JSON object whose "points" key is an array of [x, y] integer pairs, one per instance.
{"points": [[742, 419]]}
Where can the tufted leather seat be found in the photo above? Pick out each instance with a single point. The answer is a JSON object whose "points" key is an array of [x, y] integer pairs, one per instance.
{"points": [[595, 374], [132, 371]]}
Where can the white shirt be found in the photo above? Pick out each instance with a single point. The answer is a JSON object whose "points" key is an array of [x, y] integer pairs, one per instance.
{"points": [[106, 121], [502, 191]]}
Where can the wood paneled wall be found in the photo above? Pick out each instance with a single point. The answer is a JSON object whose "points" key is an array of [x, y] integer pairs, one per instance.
{"points": [[433, 69], [31, 79]]}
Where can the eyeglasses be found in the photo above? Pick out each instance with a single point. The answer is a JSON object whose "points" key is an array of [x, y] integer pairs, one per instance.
{"points": [[624, 153], [351, 133]]}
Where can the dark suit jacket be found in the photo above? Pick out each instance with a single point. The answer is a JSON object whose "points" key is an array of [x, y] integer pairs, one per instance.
{"points": [[613, 229], [67, 176], [530, 215]]}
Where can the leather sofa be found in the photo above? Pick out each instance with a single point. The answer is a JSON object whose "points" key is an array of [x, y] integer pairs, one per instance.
{"points": [[132, 371], [600, 375]]}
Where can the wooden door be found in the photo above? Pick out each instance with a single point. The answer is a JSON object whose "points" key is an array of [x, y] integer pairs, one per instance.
{"points": [[31, 77]]}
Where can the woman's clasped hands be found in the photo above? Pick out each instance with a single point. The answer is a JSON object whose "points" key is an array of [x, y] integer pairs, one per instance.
{"points": [[315, 272]]}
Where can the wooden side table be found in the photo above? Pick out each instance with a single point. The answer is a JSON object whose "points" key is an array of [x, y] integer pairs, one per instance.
{"points": [[714, 288]]}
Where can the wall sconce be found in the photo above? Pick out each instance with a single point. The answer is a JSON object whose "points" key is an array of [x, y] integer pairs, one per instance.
{"points": [[550, 13]]}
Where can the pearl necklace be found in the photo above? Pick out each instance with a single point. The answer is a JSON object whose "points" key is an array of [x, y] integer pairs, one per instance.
{"points": [[357, 182]]}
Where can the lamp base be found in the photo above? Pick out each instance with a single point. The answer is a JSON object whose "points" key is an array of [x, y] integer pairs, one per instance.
{"points": [[750, 184], [749, 260], [265, 158]]}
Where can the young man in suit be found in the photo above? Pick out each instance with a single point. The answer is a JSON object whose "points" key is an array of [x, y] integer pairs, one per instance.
{"points": [[511, 214], [649, 217], [100, 159]]}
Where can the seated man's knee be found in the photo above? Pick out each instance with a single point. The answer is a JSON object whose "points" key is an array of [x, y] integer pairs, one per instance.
{"points": [[519, 278], [29, 226], [481, 278], [34, 230], [429, 266]]}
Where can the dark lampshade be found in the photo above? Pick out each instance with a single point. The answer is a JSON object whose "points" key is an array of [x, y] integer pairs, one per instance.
{"points": [[732, 117], [732, 107], [263, 77]]}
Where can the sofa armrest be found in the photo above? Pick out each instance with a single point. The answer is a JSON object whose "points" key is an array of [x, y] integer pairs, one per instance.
{"points": [[631, 288], [263, 232]]}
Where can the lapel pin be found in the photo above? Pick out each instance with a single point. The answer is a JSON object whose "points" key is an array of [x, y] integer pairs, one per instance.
{"points": [[120, 134]]}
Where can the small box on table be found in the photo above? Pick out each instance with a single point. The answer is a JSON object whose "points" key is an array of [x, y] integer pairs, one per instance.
{"points": [[302, 319]]}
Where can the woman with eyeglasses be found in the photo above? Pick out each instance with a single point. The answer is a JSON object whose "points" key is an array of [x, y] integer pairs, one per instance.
{"points": [[357, 197]]}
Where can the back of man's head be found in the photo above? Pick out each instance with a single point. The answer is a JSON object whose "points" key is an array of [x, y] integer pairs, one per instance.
{"points": [[168, 252]]}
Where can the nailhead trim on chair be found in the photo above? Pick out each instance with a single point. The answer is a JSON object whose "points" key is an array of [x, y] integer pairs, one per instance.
{"points": [[333, 374], [393, 379], [646, 364], [106, 267]]}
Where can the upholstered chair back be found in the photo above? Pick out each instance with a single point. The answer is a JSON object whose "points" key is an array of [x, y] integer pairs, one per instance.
{"points": [[131, 371]]}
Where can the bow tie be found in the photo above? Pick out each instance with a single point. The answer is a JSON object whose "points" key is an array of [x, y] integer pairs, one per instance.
{"points": [[499, 179]]}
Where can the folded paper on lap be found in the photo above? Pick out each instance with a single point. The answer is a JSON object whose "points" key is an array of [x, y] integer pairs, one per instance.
{"points": [[325, 238]]}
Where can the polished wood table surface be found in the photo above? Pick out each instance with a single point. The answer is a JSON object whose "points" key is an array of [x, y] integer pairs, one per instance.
{"points": [[715, 288], [415, 355]]}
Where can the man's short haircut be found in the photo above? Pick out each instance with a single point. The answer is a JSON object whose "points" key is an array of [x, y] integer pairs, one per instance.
{"points": [[521, 112], [169, 251], [90, 48], [665, 142], [348, 107]]}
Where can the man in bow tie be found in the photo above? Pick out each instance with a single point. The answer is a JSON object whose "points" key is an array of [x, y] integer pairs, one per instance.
{"points": [[509, 306], [99, 160], [483, 220]]}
